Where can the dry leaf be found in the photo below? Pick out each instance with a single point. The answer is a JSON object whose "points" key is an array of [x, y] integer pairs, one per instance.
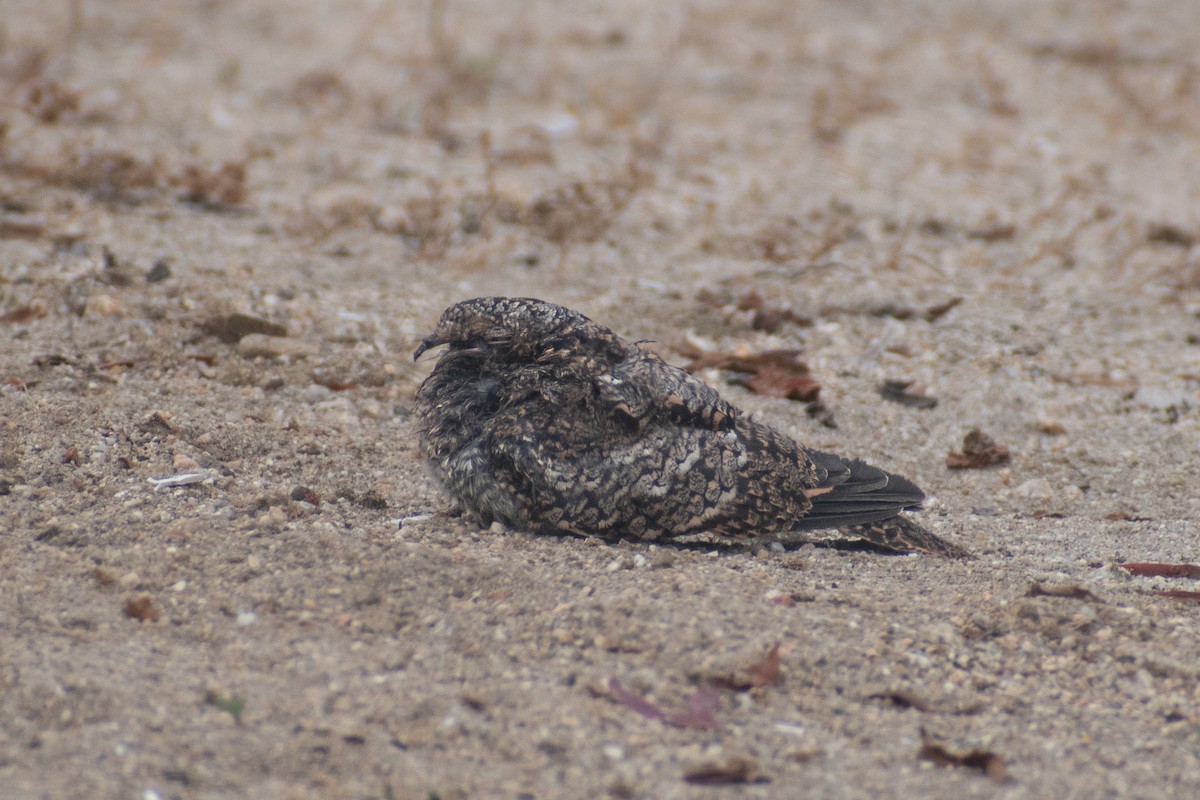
{"points": [[1177, 594], [635, 701], [1125, 516], [930, 314], [766, 317], [762, 673], [989, 763], [213, 187], [141, 608], [1072, 590], [767, 671], [723, 771], [699, 714], [907, 394], [230, 328], [785, 379], [938, 310], [25, 313], [701, 705], [19, 227], [903, 699], [1151, 569], [979, 450], [1163, 233], [774, 373]]}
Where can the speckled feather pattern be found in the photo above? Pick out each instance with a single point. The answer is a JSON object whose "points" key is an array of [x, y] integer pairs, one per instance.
{"points": [[539, 418]]}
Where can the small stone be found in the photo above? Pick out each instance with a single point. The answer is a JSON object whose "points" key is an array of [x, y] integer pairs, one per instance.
{"points": [[257, 344], [613, 752], [103, 305], [184, 463], [1035, 489], [1051, 427], [104, 576], [233, 327], [159, 272], [315, 393]]}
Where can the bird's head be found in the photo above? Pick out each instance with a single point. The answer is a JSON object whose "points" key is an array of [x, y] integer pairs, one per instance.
{"points": [[515, 328]]}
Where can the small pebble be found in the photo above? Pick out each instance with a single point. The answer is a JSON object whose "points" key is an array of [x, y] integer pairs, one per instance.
{"points": [[103, 305], [257, 344]]}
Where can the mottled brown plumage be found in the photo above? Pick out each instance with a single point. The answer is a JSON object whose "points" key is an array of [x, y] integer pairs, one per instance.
{"points": [[538, 418]]}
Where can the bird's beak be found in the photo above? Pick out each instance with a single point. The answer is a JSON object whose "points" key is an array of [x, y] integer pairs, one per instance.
{"points": [[432, 340]]}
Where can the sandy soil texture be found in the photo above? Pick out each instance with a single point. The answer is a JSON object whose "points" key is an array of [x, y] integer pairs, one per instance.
{"points": [[224, 226]]}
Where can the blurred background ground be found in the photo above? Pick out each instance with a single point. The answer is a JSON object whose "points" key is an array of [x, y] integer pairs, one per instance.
{"points": [[224, 227]]}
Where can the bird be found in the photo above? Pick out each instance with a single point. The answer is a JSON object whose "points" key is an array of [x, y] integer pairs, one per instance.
{"points": [[538, 418]]}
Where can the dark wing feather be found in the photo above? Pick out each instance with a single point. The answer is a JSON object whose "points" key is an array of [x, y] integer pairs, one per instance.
{"points": [[856, 492]]}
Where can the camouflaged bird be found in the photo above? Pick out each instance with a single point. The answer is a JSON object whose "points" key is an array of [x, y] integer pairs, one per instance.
{"points": [[540, 419]]}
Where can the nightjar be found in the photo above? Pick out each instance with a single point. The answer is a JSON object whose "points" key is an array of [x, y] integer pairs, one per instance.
{"points": [[538, 418]]}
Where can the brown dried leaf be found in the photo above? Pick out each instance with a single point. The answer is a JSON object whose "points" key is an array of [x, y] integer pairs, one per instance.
{"points": [[141, 608], [20, 227], [1152, 569], [158, 423], [1072, 590], [25, 313], [997, 232], [1164, 233], [218, 187], [111, 174], [635, 701], [902, 698], [767, 671], [938, 310], [761, 673], [1093, 54], [1125, 516], [1177, 594], [231, 328], [702, 704], [699, 714], [907, 394], [929, 314], [790, 381], [724, 771], [989, 763], [766, 317], [979, 450], [774, 373], [48, 101]]}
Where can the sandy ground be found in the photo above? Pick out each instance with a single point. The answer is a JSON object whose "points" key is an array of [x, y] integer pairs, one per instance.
{"points": [[305, 620]]}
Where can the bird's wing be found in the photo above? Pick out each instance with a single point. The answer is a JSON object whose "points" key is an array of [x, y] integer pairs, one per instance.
{"points": [[597, 476], [645, 388], [851, 492]]}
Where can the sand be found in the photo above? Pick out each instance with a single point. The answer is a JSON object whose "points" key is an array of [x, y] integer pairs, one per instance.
{"points": [[995, 201]]}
